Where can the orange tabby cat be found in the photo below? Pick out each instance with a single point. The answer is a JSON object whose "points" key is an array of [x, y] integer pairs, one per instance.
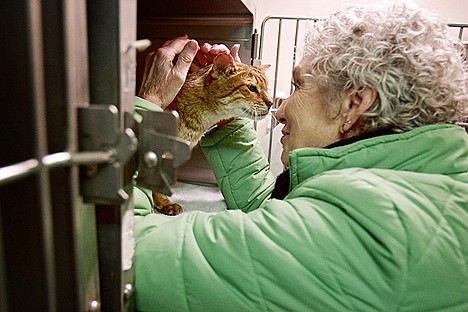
{"points": [[221, 91]]}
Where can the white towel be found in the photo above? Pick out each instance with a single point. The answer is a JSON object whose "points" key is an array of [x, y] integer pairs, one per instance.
{"points": [[198, 197]]}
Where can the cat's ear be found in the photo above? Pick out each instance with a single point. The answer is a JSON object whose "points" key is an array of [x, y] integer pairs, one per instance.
{"points": [[263, 68], [223, 63]]}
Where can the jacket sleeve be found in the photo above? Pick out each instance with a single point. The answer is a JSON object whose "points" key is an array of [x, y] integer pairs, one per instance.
{"points": [[142, 198], [239, 164]]}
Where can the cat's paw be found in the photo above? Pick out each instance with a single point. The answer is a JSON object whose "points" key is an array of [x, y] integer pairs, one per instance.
{"points": [[170, 210]]}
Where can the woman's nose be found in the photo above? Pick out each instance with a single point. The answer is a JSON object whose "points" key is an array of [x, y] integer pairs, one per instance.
{"points": [[279, 115]]}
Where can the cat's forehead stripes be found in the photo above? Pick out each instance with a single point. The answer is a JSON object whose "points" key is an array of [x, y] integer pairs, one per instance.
{"points": [[258, 75]]}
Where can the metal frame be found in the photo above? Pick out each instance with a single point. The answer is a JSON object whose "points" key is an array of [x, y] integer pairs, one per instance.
{"points": [[461, 27], [59, 250]]}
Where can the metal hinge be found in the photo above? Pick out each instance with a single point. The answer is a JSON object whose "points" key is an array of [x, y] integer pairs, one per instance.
{"points": [[160, 152]]}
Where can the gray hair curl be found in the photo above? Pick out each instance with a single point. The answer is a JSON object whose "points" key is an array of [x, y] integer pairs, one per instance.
{"points": [[403, 52]]}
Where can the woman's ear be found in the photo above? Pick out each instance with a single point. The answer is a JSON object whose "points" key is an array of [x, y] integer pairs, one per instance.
{"points": [[355, 104], [223, 63]]}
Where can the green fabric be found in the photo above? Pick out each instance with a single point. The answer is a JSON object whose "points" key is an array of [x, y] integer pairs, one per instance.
{"points": [[145, 105], [377, 225], [241, 169], [143, 200]]}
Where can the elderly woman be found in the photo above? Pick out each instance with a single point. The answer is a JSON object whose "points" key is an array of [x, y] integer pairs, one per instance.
{"points": [[372, 213]]}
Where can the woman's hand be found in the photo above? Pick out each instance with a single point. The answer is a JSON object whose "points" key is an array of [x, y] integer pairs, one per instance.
{"points": [[162, 78], [208, 52], [166, 69]]}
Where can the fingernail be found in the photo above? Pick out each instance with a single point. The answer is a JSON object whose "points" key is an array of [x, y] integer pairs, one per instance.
{"points": [[192, 45]]}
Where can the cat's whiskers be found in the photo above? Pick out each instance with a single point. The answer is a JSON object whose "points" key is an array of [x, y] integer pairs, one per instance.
{"points": [[255, 113]]}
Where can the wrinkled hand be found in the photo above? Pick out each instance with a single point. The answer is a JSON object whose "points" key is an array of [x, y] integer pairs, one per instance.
{"points": [[208, 52], [162, 79]]}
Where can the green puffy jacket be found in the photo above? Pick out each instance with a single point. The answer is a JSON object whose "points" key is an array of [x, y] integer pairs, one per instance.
{"points": [[377, 225]]}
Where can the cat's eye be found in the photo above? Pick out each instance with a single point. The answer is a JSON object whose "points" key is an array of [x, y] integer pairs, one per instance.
{"points": [[253, 88]]}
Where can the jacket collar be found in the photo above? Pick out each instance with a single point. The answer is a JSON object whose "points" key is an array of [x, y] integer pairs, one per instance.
{"points": [[361, 137], [435, 149]]}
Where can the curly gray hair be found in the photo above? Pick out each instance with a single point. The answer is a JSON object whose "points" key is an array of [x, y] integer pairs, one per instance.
{"points": [[403, 52]]}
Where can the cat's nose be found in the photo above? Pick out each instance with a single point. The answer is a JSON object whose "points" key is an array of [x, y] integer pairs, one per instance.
{"points": [[268, 103]]}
